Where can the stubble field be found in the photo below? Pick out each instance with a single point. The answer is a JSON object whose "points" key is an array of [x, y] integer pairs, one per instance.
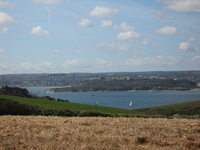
{"points": [[97, 133]]}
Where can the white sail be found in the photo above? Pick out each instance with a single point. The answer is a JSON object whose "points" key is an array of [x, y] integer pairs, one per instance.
{"points": [[130, 103]]}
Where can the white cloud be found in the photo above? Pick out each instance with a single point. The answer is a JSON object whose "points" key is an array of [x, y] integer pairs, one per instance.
{"points": [[106, 23], [3, 68], [4, 30], [51, 2], [133, 36], [118, 47], [44, 66], [157, 60], [146, 41], [5, 4], [196, 59], [101, 62], [129, 35], [72, 65], [124, 26], [86, 63], [6, 19], [183, 5], [112, 45], [166, 30], [26, 66], [77, 65], [2, 50], [186, 46], [103, 12], [191, 39], [85, 22], [38, 31], [163, 18]]}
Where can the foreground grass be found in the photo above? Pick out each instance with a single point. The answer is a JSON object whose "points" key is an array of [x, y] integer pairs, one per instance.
{"points": [[70, 106], [97, 133], [187, 108]]}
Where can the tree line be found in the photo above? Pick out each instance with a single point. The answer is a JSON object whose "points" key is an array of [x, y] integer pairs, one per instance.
{"points": [[23, 92]]}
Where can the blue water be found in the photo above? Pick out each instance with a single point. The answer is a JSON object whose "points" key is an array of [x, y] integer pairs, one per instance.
{"points": [[140, 99]]}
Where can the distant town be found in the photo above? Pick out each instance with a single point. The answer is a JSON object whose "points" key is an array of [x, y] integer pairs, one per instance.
{"points": [[69, 79]]}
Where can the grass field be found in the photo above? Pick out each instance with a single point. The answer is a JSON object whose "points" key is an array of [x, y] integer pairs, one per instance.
{"points": [[97, 133], [70, 106], [183, 110], [187, 108]]}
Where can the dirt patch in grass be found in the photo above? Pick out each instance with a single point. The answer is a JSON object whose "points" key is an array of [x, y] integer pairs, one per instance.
{"points": [[98, 133]]}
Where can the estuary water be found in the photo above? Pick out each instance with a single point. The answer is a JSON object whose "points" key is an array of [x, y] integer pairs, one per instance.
{"points": [[139, 99]]}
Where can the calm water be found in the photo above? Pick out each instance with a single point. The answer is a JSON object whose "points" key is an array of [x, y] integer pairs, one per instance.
{"points": [[140, 99]]}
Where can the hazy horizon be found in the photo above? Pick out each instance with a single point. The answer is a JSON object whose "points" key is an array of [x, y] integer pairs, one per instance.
{"points": [[99, 72]]}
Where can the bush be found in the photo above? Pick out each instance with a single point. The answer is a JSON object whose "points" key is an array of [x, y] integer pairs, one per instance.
{"points": [[142, 140], [93, 114], [9, 107], [15, 91], [68, 113]]}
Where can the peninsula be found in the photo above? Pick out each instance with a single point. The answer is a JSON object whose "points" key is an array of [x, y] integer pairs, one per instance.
{"points": [[126, 84]]}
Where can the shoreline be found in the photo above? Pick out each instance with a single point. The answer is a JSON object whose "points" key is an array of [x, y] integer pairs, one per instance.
{"points": [[52, 92]]}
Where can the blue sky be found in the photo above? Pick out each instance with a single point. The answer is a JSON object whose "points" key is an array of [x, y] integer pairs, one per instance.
{"points": [[63, 36]]}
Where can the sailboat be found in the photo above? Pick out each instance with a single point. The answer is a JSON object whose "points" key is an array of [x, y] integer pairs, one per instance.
{"points": [[130, 104], [96, 102]]}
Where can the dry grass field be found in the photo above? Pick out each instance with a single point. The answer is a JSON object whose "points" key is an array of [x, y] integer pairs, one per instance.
{"points": [[97, 133]]}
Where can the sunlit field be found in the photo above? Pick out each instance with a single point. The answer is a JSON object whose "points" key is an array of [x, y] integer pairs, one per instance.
{"points": [[50, 133]]}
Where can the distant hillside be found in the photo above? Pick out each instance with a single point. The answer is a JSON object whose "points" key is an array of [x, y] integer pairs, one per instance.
{"points": [[127, 85], [68, 79]]}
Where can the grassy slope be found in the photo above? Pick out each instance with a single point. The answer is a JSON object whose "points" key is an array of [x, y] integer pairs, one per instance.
{"points": [[187, 108], [70, 106]]}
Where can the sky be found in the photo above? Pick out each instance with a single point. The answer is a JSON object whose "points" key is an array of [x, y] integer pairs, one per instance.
{"points": [[65, 36]]}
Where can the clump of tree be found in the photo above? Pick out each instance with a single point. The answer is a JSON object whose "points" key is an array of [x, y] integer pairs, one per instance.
{"points": [[23, 92], [10, 107], [14, 91], [48, 98]]}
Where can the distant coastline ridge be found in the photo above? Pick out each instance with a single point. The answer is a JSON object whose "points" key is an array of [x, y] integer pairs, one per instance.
{"points": [[122, 85]]}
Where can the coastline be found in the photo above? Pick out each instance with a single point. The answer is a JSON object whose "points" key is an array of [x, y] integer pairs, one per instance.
{"points": [[48, 91]]}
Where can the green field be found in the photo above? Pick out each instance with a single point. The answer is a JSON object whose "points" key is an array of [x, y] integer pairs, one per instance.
{"points": [[70, 106], [187, 108], [180, 109]]}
